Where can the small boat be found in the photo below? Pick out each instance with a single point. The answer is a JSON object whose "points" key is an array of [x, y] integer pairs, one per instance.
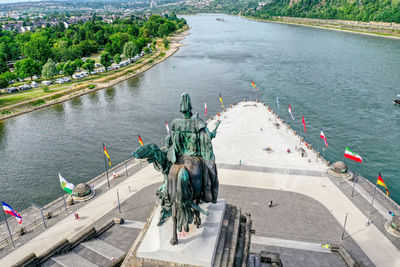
{"points": [[397, 100], [220, 19]]}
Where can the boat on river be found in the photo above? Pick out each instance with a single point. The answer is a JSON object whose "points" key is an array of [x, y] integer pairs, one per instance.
{"points": [[397, 100]]}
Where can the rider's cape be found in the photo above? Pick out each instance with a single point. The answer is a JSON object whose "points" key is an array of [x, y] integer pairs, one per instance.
{"points": [[190, 137]]}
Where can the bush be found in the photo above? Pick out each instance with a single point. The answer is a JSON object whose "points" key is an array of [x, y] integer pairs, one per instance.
{"points": [[150, 61], [45, 88], [165, 42], [5, 112], [39, 102], [56, 96], [92, 86]]}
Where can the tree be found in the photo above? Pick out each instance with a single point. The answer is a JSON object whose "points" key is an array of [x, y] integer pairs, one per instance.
{"points": [[117, 58], [130, 50], [8, 76], [165, 42], [3, 65], [49, 69], [88, 65], [63, 52], [105, 59], [26, 67], [78, 62], [3, 82], [163, 30], [69, 68], [116, 44], [60, 66], [87, 47], [38, 48]]}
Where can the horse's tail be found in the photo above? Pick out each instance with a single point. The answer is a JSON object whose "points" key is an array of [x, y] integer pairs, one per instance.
{"points": [[184, 204]]}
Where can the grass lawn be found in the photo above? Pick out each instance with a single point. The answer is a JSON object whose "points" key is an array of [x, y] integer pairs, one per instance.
{"points": [[15, 98], [11, 99]]}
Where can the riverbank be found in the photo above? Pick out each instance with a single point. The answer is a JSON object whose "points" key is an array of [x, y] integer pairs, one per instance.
{"points": [[381, 29], [79, 88]]}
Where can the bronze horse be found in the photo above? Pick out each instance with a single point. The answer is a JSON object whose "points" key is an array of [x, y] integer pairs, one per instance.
{"points": [[184, 192]]}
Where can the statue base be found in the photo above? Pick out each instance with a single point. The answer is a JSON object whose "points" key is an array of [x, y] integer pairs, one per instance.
{"points": [[197, 247]]}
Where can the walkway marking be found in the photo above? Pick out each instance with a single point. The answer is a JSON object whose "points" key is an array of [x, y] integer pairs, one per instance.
{"points": [[256, 168], [275, 242], [103, 248], [73, 259], [133, 224]]}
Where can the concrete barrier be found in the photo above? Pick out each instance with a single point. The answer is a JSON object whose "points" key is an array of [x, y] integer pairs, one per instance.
{"points": [[61, 247], [27, 261]]}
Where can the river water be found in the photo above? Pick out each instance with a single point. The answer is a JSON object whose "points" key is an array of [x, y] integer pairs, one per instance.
{"points": [[342, 82]]}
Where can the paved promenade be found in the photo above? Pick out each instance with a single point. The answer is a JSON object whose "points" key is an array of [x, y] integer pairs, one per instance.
{"points": [[310, 208], [250, 128]]}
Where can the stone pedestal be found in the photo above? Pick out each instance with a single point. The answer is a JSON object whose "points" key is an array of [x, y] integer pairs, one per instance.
{"points": [[196, 248]]}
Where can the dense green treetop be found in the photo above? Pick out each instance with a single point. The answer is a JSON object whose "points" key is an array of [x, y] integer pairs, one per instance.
{"points": [[105, 59], [361, 10], [63, 44], [26, 67], [49, 69]]}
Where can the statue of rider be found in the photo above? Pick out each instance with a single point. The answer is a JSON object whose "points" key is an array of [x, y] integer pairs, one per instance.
{"points": [[190, 137]]}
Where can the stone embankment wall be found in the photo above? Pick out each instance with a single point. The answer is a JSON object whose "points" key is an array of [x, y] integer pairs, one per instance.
{"points": [[331, 22]]}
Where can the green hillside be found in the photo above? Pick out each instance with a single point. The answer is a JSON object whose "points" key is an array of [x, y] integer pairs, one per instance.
{"points": [[362, 10]]}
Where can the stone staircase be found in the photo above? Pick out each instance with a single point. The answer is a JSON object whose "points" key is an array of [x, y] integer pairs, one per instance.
{"points": [[108, 249], [234, 240], [92, 253]]}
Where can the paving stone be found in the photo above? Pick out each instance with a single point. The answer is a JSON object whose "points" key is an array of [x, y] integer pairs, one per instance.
{"points": [[73, 260], [103, 248]]}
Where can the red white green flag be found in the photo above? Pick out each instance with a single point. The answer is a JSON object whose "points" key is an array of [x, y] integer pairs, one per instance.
{"points": [[351, 155]]}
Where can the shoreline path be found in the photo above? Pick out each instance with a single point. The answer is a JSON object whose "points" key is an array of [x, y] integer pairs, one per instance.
{"points": [[240, 139]]}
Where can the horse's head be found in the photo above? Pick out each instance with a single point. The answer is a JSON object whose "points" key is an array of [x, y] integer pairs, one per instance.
{"points": [[147, 151]]}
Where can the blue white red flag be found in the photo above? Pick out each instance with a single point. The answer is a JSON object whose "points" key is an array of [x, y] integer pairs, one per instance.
{"points": [[7, 209]]}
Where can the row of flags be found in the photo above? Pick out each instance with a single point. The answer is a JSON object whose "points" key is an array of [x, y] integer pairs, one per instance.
{"points": [[347, 152]]}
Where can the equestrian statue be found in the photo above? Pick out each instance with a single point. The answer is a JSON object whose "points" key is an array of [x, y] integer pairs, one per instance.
{"points": [[188, 164]]}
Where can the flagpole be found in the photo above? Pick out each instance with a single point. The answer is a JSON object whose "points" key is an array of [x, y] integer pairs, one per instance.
{"points": [[372, 202], [65, 204], [8, 228], [105, 162], [354, 185]]}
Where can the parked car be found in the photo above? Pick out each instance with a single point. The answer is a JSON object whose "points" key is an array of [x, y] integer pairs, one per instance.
{"points": [[60, 81], [77, 76], [34, 84], [11, 90], [66, 79], [47, 83], [97, 65], [24, 87]]}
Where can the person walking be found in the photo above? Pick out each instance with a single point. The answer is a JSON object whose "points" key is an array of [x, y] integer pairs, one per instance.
{"points": [[270, 204]]}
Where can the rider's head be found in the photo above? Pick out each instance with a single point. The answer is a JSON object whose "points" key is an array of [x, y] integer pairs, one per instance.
{"points": [[186, 105]]}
